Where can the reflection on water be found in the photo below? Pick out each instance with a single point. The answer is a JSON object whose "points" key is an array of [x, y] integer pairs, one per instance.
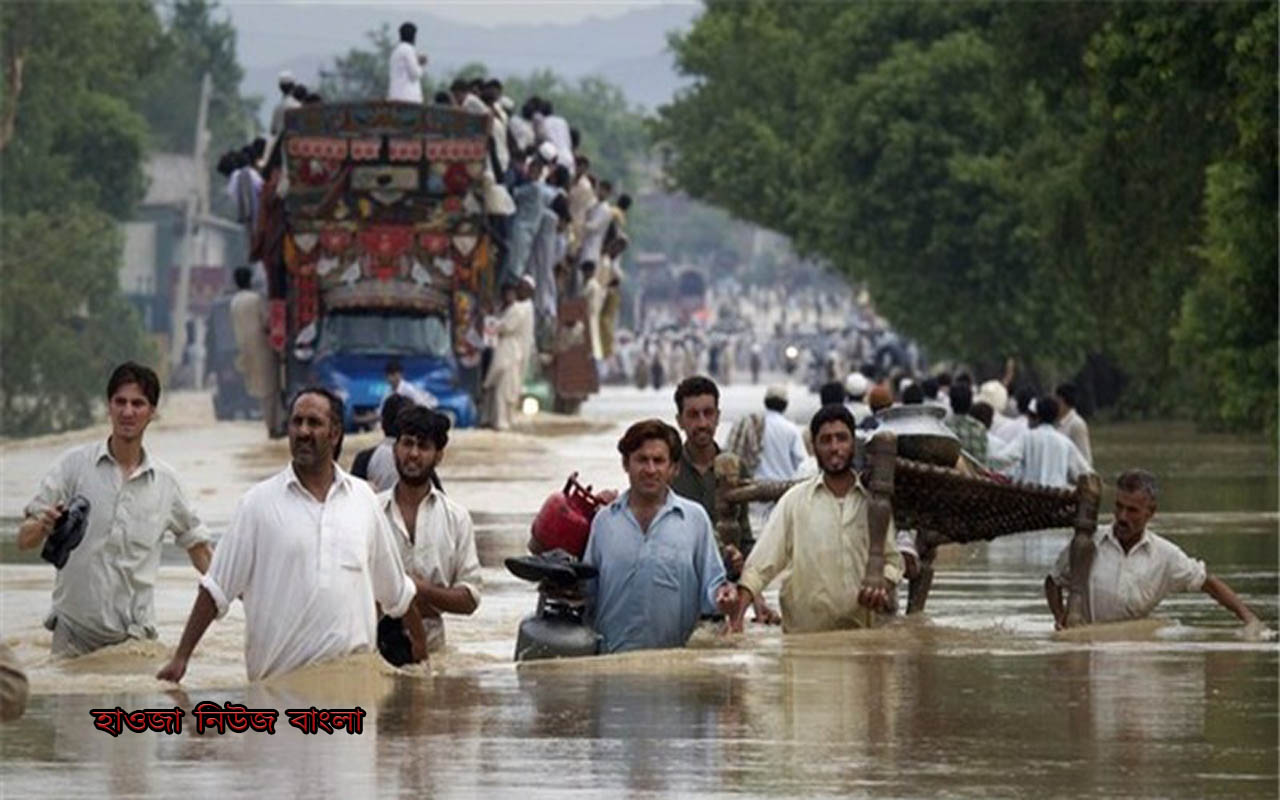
{"points": [[977, 699]]}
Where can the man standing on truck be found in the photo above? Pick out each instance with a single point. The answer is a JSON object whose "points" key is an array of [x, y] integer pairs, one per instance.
{"points": [[406, 68]]}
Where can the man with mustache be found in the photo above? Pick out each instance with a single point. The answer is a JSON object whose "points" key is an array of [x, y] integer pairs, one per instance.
{"points": [[820, 532], [659, 566], [1133, 567], [308, 553]]}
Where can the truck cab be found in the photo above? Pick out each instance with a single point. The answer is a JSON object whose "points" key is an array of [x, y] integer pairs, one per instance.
{"points": [[352, 351]]}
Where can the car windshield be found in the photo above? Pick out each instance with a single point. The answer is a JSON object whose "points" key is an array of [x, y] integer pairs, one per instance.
{"points": [[384, 334]]}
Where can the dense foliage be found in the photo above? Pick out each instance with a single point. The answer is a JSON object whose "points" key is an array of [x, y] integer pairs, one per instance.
{"points": [[88, 89], [1068, 183]]}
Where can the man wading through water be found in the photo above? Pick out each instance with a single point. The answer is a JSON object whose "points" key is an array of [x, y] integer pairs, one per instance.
{"points": [[308, 552], [819, 532], [698, 415], [103, 594]]}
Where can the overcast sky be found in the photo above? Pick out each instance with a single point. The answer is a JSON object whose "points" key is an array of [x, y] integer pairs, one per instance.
{"points": [[474, 12]]}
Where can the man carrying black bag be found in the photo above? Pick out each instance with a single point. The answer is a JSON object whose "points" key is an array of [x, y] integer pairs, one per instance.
{"points": [[103, 591]]}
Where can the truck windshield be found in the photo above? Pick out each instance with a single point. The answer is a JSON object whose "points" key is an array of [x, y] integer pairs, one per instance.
{"points": [[384, 334]]}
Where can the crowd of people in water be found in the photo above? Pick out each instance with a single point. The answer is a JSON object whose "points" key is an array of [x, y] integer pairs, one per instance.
{"points": [[327, 562]]}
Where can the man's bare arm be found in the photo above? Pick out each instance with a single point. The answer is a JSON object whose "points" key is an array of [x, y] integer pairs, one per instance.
{"points": [[36, 528], [455, 599], [1220, 591], [201, 555], [202, 613]]}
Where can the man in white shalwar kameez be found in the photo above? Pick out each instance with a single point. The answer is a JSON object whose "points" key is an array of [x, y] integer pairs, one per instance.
{"points": [[504, 381]]}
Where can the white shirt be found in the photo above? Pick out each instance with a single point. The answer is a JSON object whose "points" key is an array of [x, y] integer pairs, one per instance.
{"points": [[1044, 456], [521, 132], [419, 397], [1006, 429], [781, 449], [821, 543], [1130, 586], [556, 130], [1076, 429], [307, 572], [382, 466], [405, 74], [443, 549], [104, 592]]}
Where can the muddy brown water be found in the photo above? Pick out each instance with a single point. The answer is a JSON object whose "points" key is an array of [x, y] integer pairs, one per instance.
{"points": [[977, 698]]}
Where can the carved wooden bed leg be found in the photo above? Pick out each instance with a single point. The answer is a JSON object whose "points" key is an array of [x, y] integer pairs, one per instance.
{"points": [[918, 589], [882, 452], [1088, 494]]}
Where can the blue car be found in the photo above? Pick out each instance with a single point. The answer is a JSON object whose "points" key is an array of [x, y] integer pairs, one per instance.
{"points": [[352, 352]]}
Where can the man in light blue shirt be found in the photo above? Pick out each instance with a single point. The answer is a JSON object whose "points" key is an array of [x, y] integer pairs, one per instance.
{"points": [[659, 566]]}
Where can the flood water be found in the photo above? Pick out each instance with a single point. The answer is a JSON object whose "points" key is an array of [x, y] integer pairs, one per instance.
{"points": [[976, 698]]}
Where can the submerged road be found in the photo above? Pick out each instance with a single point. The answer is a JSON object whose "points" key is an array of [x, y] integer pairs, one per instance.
{"points": [[975, 699]]}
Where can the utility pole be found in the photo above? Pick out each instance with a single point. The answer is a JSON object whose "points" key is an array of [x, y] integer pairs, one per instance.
{"points": [[197, 205]]}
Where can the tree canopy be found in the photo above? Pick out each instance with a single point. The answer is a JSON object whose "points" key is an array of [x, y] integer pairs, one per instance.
{"points": [[1068, 183]]}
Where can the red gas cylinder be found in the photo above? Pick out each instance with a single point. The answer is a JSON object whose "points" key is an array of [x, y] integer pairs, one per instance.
{"points": [[564, 521]]}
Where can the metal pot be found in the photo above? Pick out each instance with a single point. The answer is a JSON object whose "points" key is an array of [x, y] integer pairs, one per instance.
{"points": [[921, 434]]}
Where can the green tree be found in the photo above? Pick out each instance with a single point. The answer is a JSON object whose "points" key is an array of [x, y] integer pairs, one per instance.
{"points": [[361, 74], [63, 322], [1005, 178], [71, 154]]}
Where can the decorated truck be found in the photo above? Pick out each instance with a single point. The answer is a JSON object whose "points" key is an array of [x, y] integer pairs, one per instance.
{"points": [[386, 254]]}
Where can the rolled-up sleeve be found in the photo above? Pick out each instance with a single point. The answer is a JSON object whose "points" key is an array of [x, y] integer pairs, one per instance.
{"points": [[53, 489], [392, 587], [232, 566], [1186, 574], [184, 522]]}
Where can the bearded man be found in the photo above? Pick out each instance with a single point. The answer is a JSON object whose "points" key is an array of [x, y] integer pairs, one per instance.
{"points": [[819, 532]]}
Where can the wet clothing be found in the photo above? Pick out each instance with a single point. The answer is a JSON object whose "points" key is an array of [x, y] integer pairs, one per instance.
{"points": [[104, 593], [442, 550], [13, 686], [653, 586], [404, 74], [1130, 585], [824, 541], [1073, 426], [308, 572]]}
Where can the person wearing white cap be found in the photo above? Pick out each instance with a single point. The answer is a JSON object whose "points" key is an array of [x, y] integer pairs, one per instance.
{"points": [[782, 445], [287, 101], [994, 394], [855, 388], [405, 68]]}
